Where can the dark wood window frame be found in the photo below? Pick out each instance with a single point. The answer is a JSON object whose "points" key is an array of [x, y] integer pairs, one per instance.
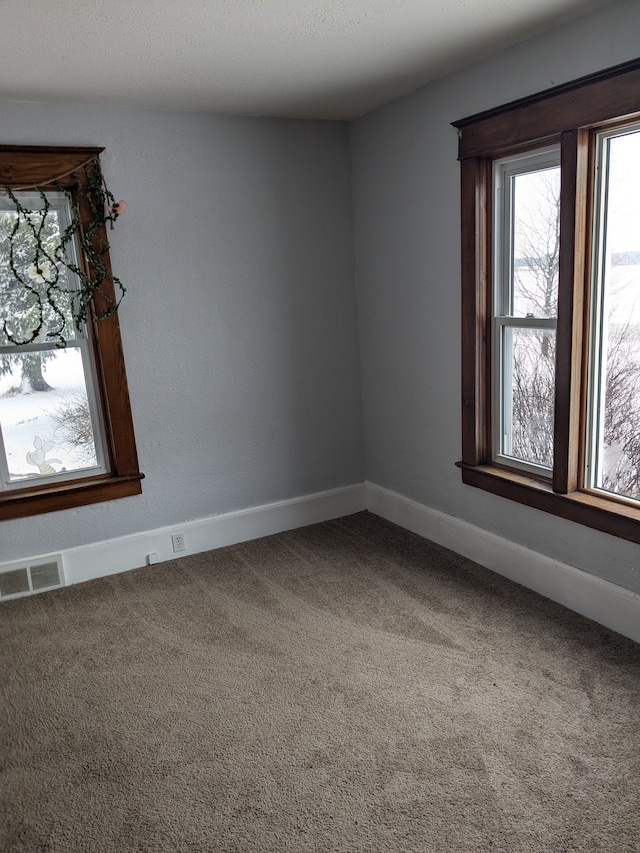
{"points": [[569, 115], [27, 165]]}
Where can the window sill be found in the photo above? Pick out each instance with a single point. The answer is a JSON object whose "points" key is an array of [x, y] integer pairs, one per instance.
{"points": [[600, 513], [69, 495]]}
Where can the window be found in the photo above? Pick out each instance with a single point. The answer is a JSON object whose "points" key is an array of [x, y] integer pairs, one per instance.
{"points": [[551, 300], [613, 390], [66, 433], [526, 226]]}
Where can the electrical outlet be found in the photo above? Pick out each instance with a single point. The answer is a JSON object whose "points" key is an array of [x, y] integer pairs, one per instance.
{"points": [[177, 540]]}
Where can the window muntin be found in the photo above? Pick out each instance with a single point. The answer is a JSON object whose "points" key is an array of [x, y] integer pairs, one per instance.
{"points": [[526, 227], [613, 423]]}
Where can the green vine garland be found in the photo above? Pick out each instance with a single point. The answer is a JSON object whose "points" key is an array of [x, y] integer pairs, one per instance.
{"points": [[45, 269]]}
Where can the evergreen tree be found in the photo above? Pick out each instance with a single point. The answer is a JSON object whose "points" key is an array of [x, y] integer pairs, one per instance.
{"points": [[29, 266]]}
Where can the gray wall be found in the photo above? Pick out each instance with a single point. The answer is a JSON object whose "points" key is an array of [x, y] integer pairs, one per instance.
{"points": [[407, 224], [239, 325]]}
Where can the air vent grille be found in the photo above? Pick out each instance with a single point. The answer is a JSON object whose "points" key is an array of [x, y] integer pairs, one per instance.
{"points": [[28, 577], [44, 575], [14, 582]]}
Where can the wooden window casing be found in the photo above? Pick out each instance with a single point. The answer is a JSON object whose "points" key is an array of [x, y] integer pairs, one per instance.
{"points": [[28, 165], [569, 115]]}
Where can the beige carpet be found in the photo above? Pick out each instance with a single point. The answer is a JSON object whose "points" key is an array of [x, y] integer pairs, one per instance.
{"points": [[344, 687]]}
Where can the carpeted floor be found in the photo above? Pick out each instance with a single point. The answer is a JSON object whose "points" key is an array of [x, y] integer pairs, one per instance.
{"points": [[343, 687]]}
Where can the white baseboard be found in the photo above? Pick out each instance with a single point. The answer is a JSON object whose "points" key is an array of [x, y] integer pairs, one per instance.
{"points": [[130, 552], [606, 603]]}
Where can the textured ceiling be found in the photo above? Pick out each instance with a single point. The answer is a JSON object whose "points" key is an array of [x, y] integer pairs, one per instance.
{"points": [[333, 59]]}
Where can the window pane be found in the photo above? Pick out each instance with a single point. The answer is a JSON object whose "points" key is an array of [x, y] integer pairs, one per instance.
{"points": [[45, 414], [536, 243], [526, 271], [34, 283], [616, 360], [528, 380]]}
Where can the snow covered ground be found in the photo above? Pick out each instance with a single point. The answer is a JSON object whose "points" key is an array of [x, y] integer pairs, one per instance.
{"points": [[25, 416]]}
